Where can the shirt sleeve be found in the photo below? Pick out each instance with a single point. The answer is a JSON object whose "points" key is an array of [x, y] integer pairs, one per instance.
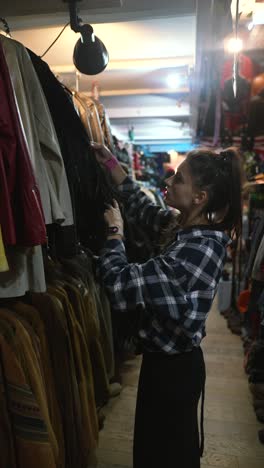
{"points": [[178, 287], [141, 210]]}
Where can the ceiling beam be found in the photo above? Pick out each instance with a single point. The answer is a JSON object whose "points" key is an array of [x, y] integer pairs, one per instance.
{"points": [[138, 64], [144, 91], [28, 14], [182, 110]]}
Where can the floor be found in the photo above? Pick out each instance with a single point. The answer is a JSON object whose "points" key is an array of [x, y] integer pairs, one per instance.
{"points": [[231, 439]]}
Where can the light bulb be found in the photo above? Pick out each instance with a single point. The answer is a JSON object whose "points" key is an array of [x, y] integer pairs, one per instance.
{"points": [[234, 45], [173, 81]]}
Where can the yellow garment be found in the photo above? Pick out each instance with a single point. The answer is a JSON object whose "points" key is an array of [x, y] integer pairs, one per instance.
{"points": [[3, 260], [31, 315], [7, 441], [52, 314], [28, 361], [89, 429], [31, 432]]}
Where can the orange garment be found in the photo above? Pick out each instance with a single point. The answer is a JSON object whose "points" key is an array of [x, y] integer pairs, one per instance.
{"points": [[31, 433], [7, 440], [257, 85], [31, 315], [243, 300], [25, 352]]}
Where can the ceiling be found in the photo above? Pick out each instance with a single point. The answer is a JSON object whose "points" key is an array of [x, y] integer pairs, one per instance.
{"points": [[147, 40], [30, 13]]}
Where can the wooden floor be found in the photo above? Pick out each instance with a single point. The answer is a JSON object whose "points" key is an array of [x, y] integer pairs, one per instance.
{"points": [[231, 439]]}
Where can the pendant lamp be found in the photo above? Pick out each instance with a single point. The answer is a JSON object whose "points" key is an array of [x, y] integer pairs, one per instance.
{"points": [[90, 56]]}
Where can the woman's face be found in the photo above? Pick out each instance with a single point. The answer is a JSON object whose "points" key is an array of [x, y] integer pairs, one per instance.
{"points": [[180, 191]]}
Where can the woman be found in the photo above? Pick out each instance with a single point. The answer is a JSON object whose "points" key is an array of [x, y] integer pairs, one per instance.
{"points": [[174, 291]]}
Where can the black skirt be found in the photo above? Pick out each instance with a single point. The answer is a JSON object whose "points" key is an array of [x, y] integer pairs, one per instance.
{"points": [[166, 433]]}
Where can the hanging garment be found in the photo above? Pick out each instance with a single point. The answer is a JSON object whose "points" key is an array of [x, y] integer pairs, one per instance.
{"points": [[7, 440], [106, 329], [34, 438], [32, 316], [105, 125], [21, 215], [256, 239], [235, 108], [214, 22], [87, 428], [27, 353], [26, 265], [3, 261], [258, 266], [90, 186], [59, 342], [246, 69], [95, 319], [26, 272], [44, 150], [256, 115], [85, 309], [257, 85], [89, 116]]}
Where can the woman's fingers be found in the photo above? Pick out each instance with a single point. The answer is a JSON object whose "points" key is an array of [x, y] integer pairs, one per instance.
{"points": [[96, 145], [101, 150]]}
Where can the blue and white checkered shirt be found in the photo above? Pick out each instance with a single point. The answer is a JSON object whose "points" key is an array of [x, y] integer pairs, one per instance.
{"points": [[175, 290]]}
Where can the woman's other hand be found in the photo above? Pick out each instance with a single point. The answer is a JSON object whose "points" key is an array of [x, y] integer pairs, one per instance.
{"points": [[109, 162], [114, 220], [102, 153]]}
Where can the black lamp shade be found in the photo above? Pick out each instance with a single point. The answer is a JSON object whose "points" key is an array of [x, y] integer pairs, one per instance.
{"points": [[90, 55]]}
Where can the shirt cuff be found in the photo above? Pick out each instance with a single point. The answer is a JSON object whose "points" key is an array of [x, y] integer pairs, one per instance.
{"points": [[112, 244], [128, 185]]}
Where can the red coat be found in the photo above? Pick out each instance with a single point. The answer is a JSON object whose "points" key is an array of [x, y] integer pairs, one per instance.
{"points": [[21, 215]]}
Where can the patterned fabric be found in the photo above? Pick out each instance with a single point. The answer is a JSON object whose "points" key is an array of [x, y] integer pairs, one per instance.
{"points": [[27, 420], [174, 290], [140, 210], [30, 429]]}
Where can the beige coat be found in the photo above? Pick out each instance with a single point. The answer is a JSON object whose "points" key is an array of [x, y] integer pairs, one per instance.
{"points": [[41, 138]]}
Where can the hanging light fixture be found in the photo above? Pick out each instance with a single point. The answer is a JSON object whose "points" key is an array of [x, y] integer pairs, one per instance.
{"points": [[90, 56]]}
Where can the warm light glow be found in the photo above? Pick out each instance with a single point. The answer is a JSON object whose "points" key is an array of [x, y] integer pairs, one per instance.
{"points": [[250, 26], [173, 81], [234, 45], [172, 152], [258, 13], [173, 158]]}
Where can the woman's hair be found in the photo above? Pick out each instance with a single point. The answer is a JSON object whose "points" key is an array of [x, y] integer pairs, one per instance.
{"points": [[220, 176]]}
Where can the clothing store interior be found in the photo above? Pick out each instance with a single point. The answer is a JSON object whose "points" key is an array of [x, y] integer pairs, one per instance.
{"points": [[151, 81]]}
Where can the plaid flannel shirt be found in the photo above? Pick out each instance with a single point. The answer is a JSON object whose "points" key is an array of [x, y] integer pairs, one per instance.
{"points": [[174, 290]]}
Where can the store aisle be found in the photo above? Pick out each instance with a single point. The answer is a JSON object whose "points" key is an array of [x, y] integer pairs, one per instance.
{"points": [[230, 423]]}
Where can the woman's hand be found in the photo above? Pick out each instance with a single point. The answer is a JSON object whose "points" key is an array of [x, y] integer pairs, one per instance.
{"points": [[114, 220], [102, 153], [109, 162]]}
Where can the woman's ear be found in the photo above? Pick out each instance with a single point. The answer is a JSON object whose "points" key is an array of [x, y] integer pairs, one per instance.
{"points": [[200, 198]]}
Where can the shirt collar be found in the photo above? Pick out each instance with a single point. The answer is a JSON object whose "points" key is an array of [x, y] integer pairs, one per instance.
{"points": [[203, 231]]}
